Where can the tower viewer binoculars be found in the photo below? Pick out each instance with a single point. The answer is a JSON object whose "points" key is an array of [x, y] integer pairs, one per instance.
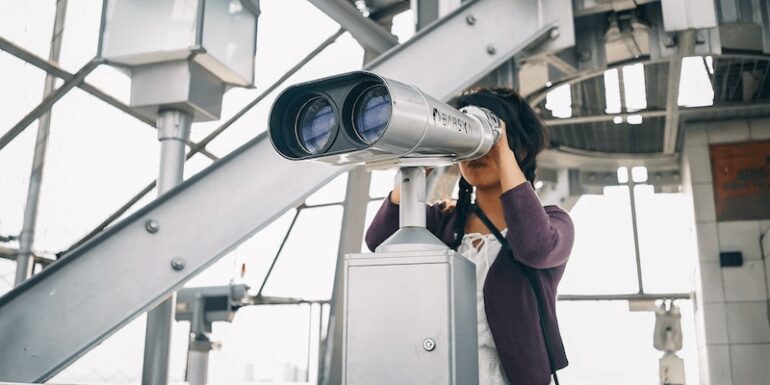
{"points": [[360, 117]]}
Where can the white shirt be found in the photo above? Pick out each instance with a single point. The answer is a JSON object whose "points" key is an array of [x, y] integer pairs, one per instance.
{"points": [[483, 254]]}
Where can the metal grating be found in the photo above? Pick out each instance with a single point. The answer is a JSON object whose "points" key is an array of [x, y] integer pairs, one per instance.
{"points": [[608, 137], [738, 79], [588, 96], [588, 99], [741, 89]]}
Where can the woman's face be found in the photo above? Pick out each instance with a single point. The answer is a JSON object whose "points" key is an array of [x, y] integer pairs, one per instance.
{"points": [[485, 171], [481, 173]]}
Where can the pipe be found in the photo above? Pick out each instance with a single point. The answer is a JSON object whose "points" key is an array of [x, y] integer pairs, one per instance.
{"points": [[173, 132], [25, 260]]}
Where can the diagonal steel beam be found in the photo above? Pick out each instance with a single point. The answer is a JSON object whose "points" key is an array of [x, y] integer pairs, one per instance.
{"points": [[370, 34], [458, 50], [49, 101], [128, 268]]}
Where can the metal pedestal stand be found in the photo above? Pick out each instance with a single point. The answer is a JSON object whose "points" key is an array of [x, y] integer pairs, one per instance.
{"points": [[411, 306]]}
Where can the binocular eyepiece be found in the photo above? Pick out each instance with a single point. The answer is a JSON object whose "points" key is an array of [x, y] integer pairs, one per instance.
{"points": [[360, 117]]}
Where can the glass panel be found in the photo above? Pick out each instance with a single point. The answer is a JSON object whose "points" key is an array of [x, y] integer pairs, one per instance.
{"points": [[403, 25], [21, 91], [667, 242], [607, 344], [633, 85], [118, 360], [28, 24], [243, 130], [612, 91], [603, 259], [382, 182], [255, 255], [196, 164], [112, 81], [220, 273], [16, 163], [639, 174], [266, 344], [81, 34], [98, 158], [623, 175], [333, 192], [559, 101], [7, 275], [305, 268], [144, 201], [695, 89]]}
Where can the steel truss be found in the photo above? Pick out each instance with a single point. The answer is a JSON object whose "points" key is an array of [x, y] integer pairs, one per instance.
{"points": [[205, 217]]}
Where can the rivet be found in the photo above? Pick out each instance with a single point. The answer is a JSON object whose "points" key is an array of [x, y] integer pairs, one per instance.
{"points": [[151, 226], [177, 263], [491, 49], [470, 19], [554, 33], [429, 344]]}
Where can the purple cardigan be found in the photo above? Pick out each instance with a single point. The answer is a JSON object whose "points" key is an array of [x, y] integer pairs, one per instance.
{"points": [[541, 237]]}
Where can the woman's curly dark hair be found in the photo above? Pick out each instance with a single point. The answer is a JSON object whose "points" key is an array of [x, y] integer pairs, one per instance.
{"points": [[526, 135]]}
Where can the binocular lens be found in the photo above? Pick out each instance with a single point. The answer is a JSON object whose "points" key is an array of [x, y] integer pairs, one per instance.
{"points": [[315, 123], [372, 113]]}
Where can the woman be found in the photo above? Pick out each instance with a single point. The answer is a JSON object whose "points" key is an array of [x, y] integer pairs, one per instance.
{"points": [[517, 278]]}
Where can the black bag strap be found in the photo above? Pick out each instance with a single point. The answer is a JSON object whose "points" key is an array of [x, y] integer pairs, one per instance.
{"points": [[533, 279]]}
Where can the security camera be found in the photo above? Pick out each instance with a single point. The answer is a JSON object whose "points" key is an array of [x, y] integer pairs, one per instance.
{"points": [[360, 117]]}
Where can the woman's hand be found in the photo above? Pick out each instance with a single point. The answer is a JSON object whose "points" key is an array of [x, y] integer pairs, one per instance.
{"points": [[500, 151], [507, 165]]}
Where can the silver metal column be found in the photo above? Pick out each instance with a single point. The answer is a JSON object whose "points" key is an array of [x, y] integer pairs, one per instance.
{"points": [[412, 213], [25, 259], [200, 345], [173, 132], [412, 234], [197, 367]]}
